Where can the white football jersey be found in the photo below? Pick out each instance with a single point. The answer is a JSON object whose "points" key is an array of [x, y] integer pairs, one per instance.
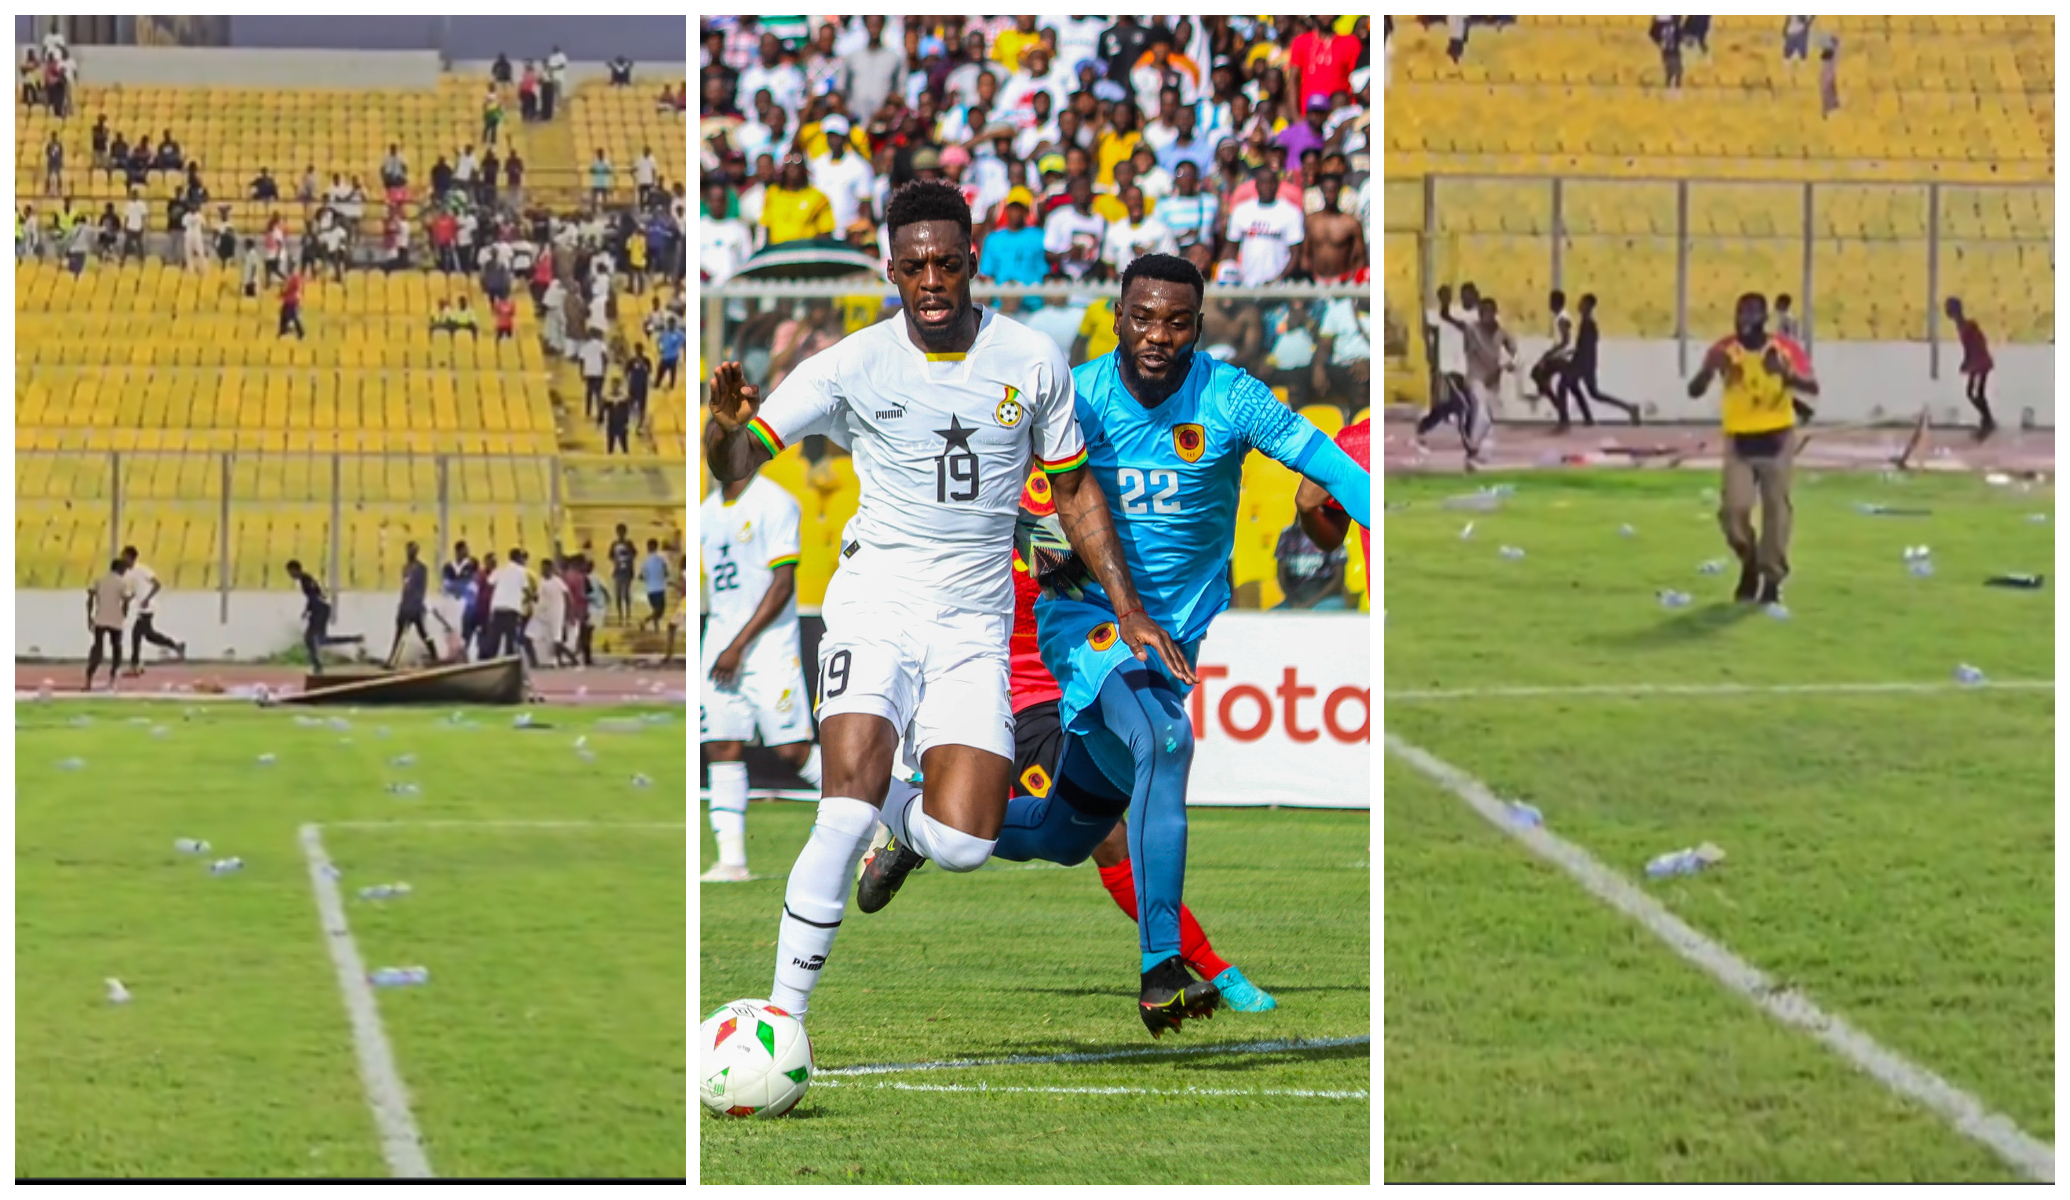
{"points": [[942, 446], [742, 545]]}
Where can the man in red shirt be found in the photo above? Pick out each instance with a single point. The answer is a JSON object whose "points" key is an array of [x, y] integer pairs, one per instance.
{"points": [[505, 309], [1976, 366], [1321, 62], [1038, 744], [291, 304], [1322, 518]]}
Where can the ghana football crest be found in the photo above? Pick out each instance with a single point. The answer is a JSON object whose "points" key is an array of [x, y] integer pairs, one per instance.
{"points": [[1010, 410], [1102, 636], [1189, 441]]}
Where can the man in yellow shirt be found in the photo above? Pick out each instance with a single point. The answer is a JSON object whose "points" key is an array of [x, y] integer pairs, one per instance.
{"points": [[1096, 334], [1117, 144], [1006, 50], [1762, 377], [794, 209]]}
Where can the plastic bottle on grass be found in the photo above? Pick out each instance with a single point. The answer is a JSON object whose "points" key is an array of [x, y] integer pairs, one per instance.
{"points": [[226, 866], [1684, 862], [393, 977], [190, 846]]}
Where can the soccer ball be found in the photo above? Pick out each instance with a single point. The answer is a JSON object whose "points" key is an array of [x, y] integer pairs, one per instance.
{"points": [[754, 1060]]}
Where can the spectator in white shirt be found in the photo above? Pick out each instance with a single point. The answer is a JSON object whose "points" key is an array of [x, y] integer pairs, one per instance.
{"points": [[842, 175], [871, 73], [1039, 76], [1155, 181], [961, 85], [1267, 232], [1126, 241], [1073, 235], [646, 173], [1042, 127], [764, 131], [723, 242], [509, 585], [786, 83], [1078, 39], [1163, 129]]}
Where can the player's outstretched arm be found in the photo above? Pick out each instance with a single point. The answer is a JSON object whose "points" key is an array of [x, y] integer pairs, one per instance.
{"points": [[1325, 528], [730, 451], [1089, 526]]}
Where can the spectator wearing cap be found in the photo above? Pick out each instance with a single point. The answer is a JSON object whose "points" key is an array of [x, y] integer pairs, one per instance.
{"points": [[927, 66], [842, 175], [1052, 177], [873, 74], [774, 72], [1159, 68], [1321, 62], [1013, 252], [1306, 134], [956, 167], [794, 209]]}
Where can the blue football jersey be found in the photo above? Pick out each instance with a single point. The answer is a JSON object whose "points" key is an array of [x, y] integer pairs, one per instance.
{"points": [[1172, 474]]}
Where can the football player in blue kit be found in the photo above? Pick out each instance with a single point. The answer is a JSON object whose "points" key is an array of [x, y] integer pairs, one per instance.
{"points": [[1167, 431]]}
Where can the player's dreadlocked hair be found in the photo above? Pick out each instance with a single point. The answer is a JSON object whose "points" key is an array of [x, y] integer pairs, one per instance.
{"points": [[926, 200], [1168, 267]]}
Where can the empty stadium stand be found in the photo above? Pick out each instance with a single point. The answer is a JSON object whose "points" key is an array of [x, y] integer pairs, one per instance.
{"points": [[1742, 158]]}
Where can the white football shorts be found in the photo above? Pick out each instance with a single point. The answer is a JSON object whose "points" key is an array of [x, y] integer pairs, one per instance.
{"points": [[938, 673], [767, 695]]}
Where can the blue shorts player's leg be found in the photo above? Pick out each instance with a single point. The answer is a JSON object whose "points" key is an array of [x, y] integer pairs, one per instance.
{"points": [[1144, 731], [1068, 824]]}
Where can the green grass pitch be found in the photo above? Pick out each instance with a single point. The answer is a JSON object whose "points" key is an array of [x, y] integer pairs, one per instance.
{"points": [[1038, 961], [1890, 853], [549, 1042]]}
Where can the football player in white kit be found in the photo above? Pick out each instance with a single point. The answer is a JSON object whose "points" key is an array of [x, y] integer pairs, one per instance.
{"points": [[944, 406], [752, 680]]}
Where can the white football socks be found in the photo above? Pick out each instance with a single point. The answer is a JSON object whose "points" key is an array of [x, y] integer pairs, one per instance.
{"points": [[815, 898], [810, 771], [729, 811], [950, 849]]}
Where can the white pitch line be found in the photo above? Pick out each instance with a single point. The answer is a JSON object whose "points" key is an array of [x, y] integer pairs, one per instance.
{"points": [[401, 1144], [1967, 1114], [1103, 1056], [1629, 690], [599, 825], [1101, 1091]]}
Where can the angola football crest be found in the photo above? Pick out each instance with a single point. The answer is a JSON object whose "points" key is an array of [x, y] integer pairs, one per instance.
{"points": [[1010, 411], [1035, 781], [1189, 441], [1102, 635]]}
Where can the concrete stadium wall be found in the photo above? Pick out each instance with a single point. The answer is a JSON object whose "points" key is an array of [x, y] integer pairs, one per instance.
{"points": [[594, 38], [52, 624], [208, 67], [1860, 382]]}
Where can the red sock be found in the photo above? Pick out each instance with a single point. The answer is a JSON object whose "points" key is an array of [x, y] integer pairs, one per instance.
{"points": [[1120, 882]]}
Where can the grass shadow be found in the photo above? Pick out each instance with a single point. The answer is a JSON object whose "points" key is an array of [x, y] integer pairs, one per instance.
{"points": [[1691, 625]]}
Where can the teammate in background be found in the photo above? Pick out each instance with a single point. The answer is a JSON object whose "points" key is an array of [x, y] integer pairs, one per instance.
{"points": [[1490, 354], [945, 407], [409, 607], [1321, 517], [107, 604], [1976, 366], [1759, 414], [1038, 740], [144, 588], [316, 618], [1447, 354], [1581, 372], [752, 678], [1167, 432]]}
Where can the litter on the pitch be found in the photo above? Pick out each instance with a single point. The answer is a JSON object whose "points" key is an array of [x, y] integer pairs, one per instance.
{"points": [[1510, 552], [117, 994], [1627, 531], [1525, 814], [1964, 673], [1670, 598], [1715, 566], [190, 846], [1466, 532], [641, 781], [72, 764], [267, 760]]}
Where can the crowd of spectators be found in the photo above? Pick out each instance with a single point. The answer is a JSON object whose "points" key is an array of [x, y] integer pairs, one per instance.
{"points": [[1079, 142]]}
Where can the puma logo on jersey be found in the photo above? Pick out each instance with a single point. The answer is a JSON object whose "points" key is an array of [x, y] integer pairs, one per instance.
{"points": [[890, 414]]}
